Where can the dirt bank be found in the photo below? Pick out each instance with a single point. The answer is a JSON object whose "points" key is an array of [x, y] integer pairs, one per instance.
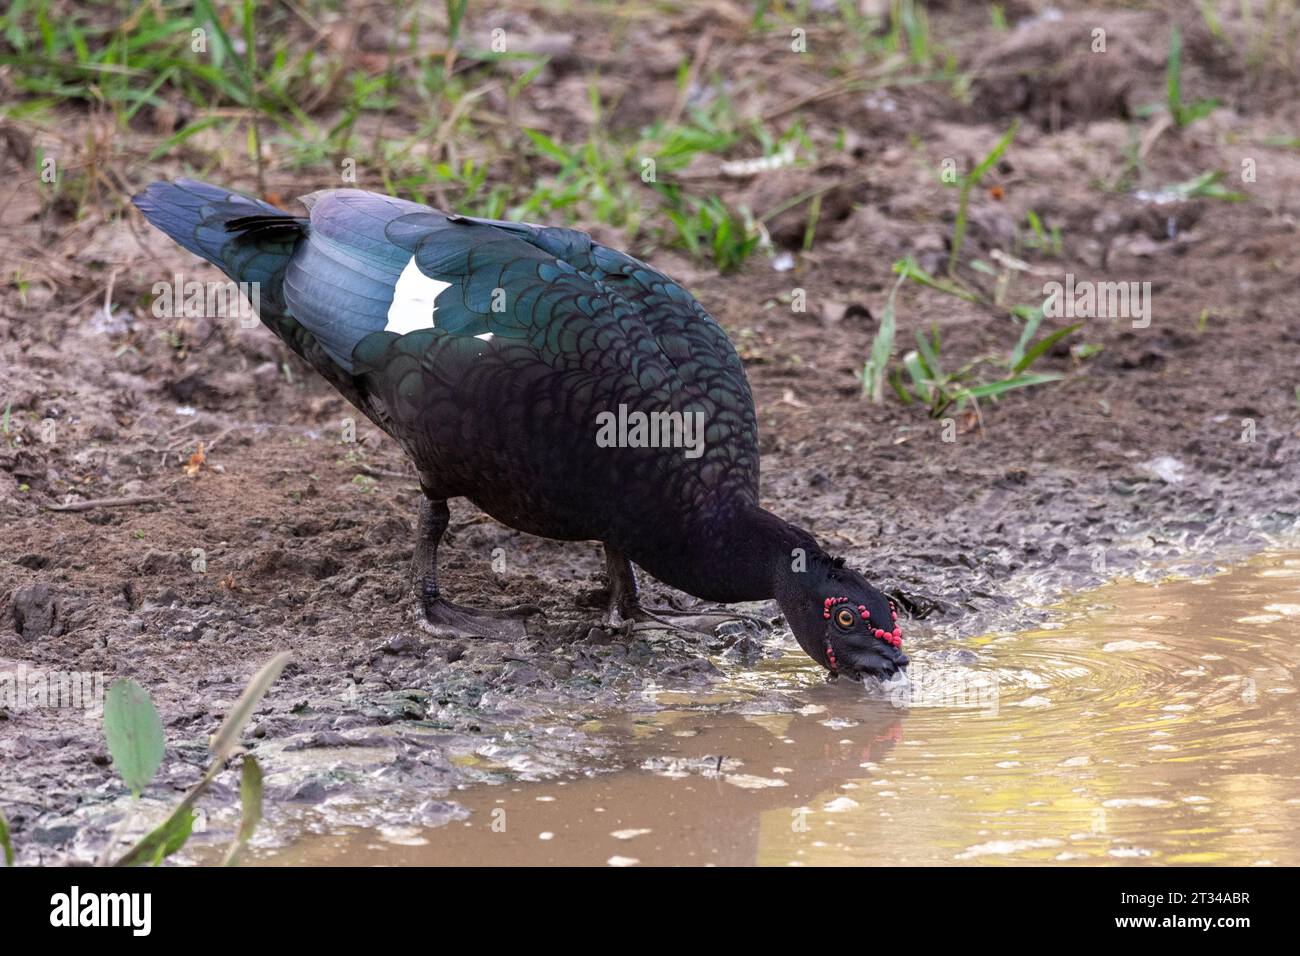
{"points": [[1175, 439]]}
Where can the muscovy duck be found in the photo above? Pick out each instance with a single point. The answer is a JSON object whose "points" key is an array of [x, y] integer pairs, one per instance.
{"points": [[499, 355]]}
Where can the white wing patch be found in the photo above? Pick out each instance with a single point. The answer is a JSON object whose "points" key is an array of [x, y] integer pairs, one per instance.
{"points": [[415, 300]]}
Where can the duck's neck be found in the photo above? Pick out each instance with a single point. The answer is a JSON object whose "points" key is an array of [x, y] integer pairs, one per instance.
{"points": [[747, 555]]}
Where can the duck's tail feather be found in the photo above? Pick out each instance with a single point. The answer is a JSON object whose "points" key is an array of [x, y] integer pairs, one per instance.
{"points": [[248, 239]]}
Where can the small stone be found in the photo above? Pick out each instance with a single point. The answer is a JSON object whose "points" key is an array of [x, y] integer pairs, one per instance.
{"points": [[36, 611], [400, 644], [158, 562]]}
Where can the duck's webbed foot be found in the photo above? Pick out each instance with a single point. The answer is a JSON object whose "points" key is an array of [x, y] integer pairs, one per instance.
{"points": [[441, 617]]}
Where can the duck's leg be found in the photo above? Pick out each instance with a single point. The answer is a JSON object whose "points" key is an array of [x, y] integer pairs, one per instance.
{"points": [[438, 615], [625, 604]]}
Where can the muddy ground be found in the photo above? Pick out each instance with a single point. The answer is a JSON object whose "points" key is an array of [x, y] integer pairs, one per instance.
{"points": [[1141, 455]]}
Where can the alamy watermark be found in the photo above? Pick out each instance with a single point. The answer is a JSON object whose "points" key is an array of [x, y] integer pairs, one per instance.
{"points": [[23, 690], [190, 298], [133, 911], [1085, 299], [975, 690], [639, 429]]}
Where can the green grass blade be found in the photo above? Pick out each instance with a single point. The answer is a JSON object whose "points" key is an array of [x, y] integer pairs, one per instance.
{"points": [[922, 385], [993, 389], [882, 347], [1174, 76], [930, 354], [192, 129], [896, 383], [224, 740], [908, 267], [549, 147], [978, 173], [5, 843], [250, 798], [1042, 345], [172, 833], [1032, 321]]}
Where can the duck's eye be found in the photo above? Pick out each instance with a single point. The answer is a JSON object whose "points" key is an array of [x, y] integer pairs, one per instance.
{"points": [[844, 618]]}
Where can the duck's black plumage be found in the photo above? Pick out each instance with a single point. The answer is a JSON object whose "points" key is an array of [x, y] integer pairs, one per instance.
{"points": [[488, 350]]}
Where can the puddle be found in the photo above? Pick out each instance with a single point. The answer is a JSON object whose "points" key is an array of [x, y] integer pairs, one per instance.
{"points": [[1143, 724]]}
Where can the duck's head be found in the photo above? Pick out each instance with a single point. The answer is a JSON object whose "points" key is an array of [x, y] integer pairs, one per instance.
{"points": [[845, 624]]}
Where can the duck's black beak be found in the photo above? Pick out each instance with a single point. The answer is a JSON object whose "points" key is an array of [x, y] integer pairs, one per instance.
{"points": [[882, 662]]}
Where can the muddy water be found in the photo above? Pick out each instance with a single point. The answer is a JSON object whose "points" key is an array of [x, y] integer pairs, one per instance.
{"points": [[1143, 724]]}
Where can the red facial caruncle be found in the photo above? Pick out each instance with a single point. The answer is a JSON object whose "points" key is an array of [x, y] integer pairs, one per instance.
{"points": [[893, 636]]}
